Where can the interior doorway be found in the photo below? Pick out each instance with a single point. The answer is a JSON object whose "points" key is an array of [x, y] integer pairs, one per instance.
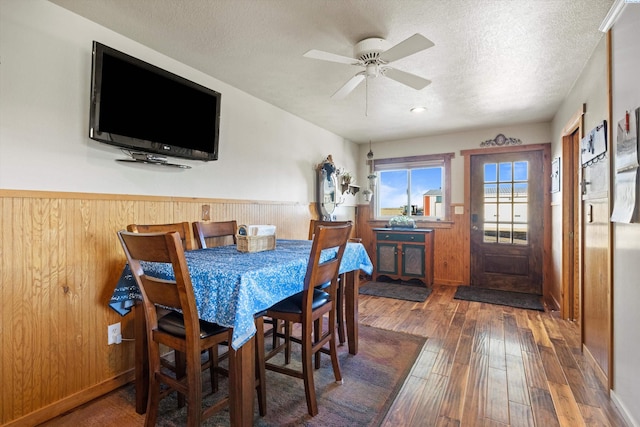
{"points": [[571, 171]]}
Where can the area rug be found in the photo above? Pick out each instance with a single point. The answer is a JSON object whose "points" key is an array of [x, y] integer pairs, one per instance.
{"points": [[372, 379], [399, 290], [491, 296]]}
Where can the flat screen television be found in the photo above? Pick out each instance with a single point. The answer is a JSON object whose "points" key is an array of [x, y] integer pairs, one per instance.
{"points": [[140, 107]]}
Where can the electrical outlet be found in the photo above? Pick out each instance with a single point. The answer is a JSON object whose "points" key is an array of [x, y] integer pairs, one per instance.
{"points": [[114, 335]]}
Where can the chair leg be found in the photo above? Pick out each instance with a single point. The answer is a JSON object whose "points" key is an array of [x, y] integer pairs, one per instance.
{"points": [[307, 371], [153, 401], [333, 349], [194, 397], [317, 336], [213, 366], [261, 381], [287, 342], [340, 309], [275, 339], [180, 367]]}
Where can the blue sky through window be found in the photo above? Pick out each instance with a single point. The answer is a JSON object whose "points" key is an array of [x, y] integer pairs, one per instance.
{"points": [[394, 184]]}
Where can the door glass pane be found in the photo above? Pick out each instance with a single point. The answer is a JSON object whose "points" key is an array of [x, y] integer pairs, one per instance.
{"points": [[520, 192], [521, 171], [504, 233], [520, 212], [490, 193], [490, 212], [505, 193], [490, 234], [520, 235], [506, 172], [490, 172], [504, 213]]}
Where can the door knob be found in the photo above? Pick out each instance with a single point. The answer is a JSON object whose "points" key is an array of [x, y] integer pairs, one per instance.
{"points": [[475, 228]]}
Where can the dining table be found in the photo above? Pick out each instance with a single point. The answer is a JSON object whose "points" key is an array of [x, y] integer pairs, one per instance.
{"points": [[230, 288]]}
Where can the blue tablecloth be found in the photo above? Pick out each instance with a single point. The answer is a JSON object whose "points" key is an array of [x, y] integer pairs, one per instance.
{"points": [[231, 286]]}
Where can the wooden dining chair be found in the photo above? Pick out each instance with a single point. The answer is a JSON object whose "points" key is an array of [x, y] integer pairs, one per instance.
{"points": [[340, 295], [181, 227], [180, 330], [184, 230], [218, 229], [206, 231], [309, 308]]}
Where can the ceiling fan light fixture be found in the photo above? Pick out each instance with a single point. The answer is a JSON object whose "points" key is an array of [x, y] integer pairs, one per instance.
{"points": [[372, 70]]}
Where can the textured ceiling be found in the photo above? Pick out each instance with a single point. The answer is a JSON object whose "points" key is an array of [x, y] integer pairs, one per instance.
{"points": [[495, 62]]}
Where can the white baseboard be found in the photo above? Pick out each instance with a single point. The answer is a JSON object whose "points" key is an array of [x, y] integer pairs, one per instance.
{"points": [[623, 411]]}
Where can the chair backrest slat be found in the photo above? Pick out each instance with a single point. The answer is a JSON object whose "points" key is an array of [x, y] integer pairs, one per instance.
{"points": [[326, 237], [206, 231], [315, 222], [181, 227]]}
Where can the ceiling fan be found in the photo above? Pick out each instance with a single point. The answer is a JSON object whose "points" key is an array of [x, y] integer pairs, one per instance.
{"points": [[375, 54]]}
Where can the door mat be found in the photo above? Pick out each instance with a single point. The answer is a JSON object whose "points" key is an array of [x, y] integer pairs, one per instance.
{"points": [[398, 290], [492, 296]]}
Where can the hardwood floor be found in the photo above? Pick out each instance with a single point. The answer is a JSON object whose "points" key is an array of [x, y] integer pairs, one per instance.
{"points": [[482, 365], [490, 365]]}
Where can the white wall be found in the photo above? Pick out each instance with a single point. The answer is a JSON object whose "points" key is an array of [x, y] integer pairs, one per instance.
{"points": [[626, 268], [534, 133], [45, 53]]}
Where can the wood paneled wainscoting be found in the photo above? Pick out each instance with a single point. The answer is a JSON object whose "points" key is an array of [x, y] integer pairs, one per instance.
{"points": [[60, 261], [451, 240]]}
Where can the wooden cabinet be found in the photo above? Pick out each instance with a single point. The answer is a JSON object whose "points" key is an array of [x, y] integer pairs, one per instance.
{"points": [[404, 254]]}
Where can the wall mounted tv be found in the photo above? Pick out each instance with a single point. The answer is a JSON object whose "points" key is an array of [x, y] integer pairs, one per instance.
{"points": [[140, 107]]}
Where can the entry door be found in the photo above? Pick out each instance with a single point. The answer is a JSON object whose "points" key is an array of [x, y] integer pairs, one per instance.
{"points": [[506, 205]]}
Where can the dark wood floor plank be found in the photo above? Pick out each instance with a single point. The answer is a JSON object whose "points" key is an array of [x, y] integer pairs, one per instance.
{"points": [[424, 364], [453, 402], [552, 367], [476, 394], [497, 354], [406, 403], [517, 380], [482, 335], [544, 412], [538, 329], [430, 401], [511, 335], [527, 340], [521, 415], [536, 376], [565, 405], [497, 408]]}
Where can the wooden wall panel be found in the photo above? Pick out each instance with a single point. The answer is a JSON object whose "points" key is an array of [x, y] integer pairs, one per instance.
{"points": [[60, 261]]}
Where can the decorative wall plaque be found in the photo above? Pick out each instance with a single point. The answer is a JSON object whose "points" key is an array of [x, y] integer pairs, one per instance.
{"points": [[500, 141]]}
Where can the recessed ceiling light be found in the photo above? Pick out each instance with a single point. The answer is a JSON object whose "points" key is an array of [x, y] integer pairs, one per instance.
{"points": [[418, 109]]}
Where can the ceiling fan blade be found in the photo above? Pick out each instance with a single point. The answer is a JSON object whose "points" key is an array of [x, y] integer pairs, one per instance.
{"points": [[349, 86], [326, 56], [413, 44], [405, 78]]}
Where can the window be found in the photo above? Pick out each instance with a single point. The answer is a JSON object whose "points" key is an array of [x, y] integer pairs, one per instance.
{"points": [[416, 186], [506, 202]]}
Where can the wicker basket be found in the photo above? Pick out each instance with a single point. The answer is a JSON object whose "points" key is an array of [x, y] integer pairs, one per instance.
{"points": [[255, 243]]}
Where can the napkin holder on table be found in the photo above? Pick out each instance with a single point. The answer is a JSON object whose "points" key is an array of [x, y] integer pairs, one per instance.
{"points": [[256, 238]]}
